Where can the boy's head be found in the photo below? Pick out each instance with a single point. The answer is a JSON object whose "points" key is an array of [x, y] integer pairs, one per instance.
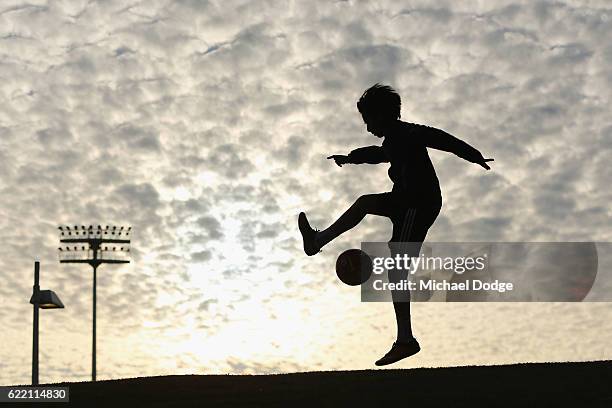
{"points": [[379, 106]]}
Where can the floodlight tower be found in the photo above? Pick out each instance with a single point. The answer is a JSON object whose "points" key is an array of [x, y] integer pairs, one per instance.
{"points": [[93, 246]]}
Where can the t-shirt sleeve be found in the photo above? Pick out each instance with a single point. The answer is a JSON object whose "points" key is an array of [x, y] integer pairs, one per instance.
{"points": [[440, 140], [368, 154]]}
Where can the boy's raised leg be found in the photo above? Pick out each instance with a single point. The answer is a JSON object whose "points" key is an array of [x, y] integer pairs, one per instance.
{"points": [[315, 240], [366, 204]]}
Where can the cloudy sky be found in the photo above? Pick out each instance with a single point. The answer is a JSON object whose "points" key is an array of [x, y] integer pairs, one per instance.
{"points": [[205, 126]]}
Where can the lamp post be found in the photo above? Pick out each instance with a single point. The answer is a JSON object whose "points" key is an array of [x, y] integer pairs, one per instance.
{"points": [[95, 248], [43, 299]]}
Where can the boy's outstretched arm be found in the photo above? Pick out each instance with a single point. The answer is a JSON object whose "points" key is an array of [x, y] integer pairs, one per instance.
{"points": [[439, 139], [368, 154]]}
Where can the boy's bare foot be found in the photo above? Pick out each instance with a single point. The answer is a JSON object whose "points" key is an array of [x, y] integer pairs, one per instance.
{"points": [[399, 351], [308, 235]]}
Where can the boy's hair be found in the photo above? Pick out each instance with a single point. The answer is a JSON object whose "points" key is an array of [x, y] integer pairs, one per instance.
{"points": [[380, 100]]}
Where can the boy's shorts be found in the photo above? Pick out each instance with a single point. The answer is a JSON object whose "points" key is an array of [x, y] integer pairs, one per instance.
{"points": [[411, 218]]}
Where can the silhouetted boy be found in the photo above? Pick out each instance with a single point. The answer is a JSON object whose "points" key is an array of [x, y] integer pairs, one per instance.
{"points": [[412, 205]]}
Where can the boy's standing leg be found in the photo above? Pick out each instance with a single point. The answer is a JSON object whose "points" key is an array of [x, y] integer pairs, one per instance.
{"points": [[409, 232]]}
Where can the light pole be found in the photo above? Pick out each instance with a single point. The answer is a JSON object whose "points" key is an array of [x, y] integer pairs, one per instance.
{"points": [[95, 249], [43, 299]]}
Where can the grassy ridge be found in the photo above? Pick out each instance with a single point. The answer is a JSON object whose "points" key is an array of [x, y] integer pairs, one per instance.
{"points": [[535, 384]]}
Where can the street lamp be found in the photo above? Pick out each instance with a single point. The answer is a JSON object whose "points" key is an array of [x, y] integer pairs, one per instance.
{"points": [[43, 299], [95, 246]]}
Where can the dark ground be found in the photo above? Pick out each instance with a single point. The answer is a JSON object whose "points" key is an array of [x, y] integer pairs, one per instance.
{"points": [[587, 384]]}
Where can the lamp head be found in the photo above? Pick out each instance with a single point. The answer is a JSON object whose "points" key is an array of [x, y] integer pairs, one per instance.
{"points": [[47, 299]]}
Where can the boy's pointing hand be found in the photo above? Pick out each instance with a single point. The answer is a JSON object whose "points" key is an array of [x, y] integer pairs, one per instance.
{"points": [[484, 164], [339, 159]]}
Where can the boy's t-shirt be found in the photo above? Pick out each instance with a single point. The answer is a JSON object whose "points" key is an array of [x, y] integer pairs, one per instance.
{"points": [[405, 148], [411, 170]]}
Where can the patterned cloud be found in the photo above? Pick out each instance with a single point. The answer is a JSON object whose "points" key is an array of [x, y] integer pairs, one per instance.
{"points": [[205, 126]]}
